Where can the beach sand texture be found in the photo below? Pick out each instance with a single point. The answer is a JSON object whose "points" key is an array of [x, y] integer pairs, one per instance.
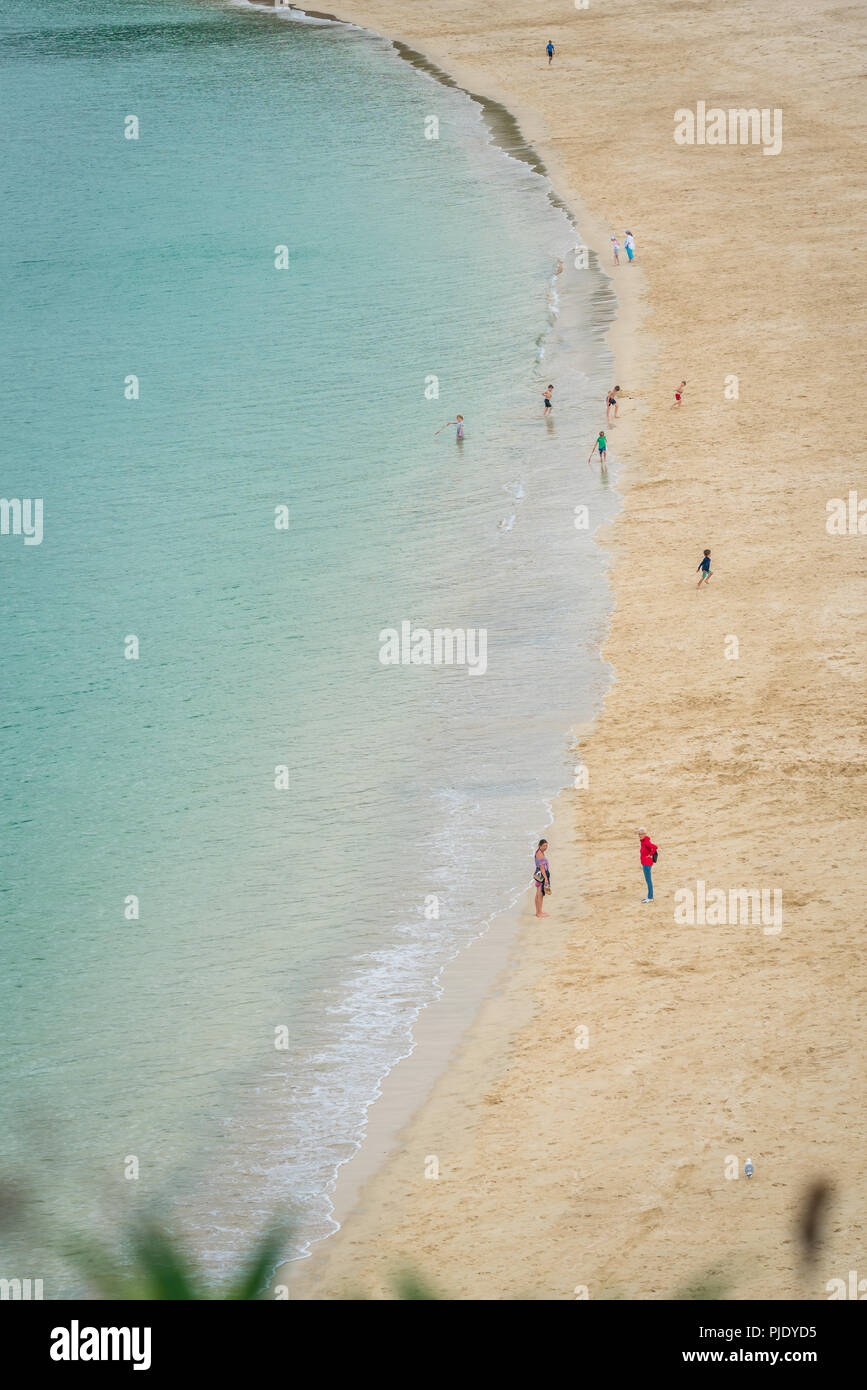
{"points": [[603, 1166]]}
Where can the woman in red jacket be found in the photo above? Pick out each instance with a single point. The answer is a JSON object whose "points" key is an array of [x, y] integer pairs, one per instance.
{"points": [[648, 850]]}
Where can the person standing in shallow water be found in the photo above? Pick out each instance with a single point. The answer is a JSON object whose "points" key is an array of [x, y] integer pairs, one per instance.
{"points": [[647, 850], [459, 433], [542, 876], [602, 445]]}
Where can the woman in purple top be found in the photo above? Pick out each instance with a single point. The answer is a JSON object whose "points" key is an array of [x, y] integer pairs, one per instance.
{"points": [[542, 877]]}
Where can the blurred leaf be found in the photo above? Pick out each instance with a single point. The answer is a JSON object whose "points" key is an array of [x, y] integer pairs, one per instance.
{"points": [[408, 1285], [707, 1286], [159, 1269], [252, 1279], [159, 1259]]}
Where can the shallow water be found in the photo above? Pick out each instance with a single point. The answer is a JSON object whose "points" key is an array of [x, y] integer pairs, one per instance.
{"points": [[312, 388]]}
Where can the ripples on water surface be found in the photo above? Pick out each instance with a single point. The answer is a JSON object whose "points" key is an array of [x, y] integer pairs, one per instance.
{"points": [[409, 258]]}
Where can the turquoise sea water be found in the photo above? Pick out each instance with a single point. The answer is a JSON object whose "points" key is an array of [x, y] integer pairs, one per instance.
{"points": [[261, 908]]}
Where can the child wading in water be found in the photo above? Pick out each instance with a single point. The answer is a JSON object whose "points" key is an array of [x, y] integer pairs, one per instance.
{"points": [[706, 571], [601, 444], [458, 421], [542, 877], [549, 404]]}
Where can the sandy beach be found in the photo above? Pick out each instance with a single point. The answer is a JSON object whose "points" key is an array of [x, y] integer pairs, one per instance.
{"points": [[547, 1161]]}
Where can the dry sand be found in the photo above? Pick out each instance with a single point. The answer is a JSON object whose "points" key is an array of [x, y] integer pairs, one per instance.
{"points": [[604, 1167]]}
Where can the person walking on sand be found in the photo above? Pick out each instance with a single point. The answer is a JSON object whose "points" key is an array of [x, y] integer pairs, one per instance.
{"points": [[706, 571], [542, 876], [601, 444], [678, 396], [459, 422], [648, 852], [549, 49], [611, 400], [549, 404], [615, 248], [629, 243]]}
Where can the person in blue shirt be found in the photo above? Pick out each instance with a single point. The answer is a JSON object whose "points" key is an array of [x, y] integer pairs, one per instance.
{"points": [[706, 571], [550, 51]]}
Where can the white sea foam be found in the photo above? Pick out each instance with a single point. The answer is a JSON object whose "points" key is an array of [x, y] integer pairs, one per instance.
{"points": [[282, 12]]}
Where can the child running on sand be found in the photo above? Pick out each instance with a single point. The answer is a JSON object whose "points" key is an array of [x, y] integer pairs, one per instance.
{"points": [[611, 400], [678, 396], [549, 404], [706, 571], [601, 444]]}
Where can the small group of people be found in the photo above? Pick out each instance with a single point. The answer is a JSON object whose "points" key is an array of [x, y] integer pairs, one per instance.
{"points": [[601, 445], [648, 853], [703, 569], [628, 246]]}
